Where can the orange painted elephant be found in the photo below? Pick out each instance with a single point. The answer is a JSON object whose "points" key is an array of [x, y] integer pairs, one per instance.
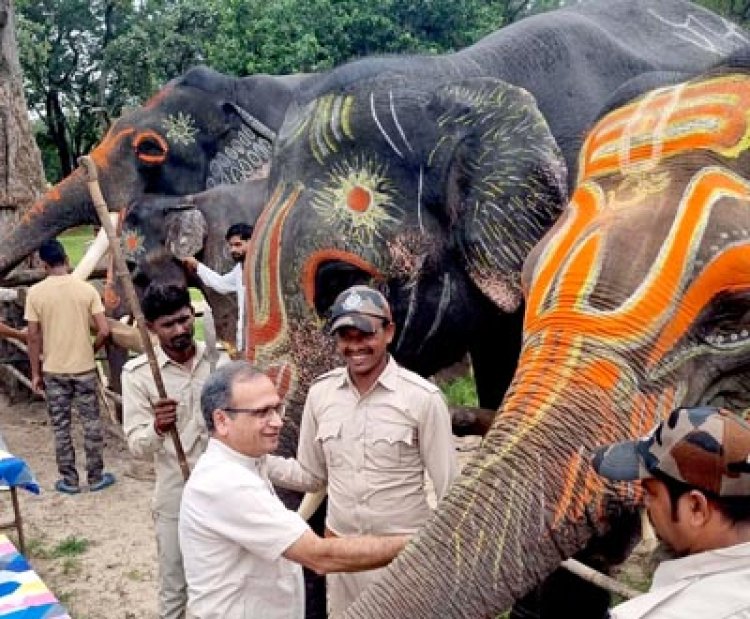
{"points": [[637, 301]]}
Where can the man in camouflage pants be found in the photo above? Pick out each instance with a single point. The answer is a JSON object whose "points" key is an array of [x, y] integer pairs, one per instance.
{"points": [[59, 310], [695, 470]]}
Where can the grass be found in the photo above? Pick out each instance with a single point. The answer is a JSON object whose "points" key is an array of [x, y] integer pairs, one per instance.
{"points": [[71, 546], [461, 391], [75, 242]]}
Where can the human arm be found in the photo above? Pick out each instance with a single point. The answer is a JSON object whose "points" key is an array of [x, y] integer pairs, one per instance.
{"points": [[344, 554], [308, 472], [290, 474], [35, 355], [10, 332], [102, 330], [436, 445], [223, 284], [138, 417]]}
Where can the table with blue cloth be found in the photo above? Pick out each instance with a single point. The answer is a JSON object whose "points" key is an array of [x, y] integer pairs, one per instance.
{"points": [[15, 473]]}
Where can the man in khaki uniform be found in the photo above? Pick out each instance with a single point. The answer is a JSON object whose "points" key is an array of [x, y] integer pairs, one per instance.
{"points": [[369, 431], [59, 310], [147, 420]]}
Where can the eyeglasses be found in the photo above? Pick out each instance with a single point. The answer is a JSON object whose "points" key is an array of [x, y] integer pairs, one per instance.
{"points": [[262, 414]]}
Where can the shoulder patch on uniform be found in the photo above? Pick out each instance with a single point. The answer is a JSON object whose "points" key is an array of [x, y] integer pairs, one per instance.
{"points": [[416, 379], [135, 363], [335, 372]]}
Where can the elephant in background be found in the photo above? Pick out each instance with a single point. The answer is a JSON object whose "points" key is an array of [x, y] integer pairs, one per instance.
{"points": [[158, 228], [637, 302], [201, 130], [378, 174], [205, 128]]}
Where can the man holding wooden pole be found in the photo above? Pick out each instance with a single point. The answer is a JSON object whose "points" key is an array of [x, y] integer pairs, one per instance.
{"points": [[148, 418]]}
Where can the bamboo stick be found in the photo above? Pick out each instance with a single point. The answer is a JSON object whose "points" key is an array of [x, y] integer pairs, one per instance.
{"points": [[121, 271]]}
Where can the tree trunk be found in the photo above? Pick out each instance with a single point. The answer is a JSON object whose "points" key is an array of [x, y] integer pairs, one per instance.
{"points": [[21, 175]]}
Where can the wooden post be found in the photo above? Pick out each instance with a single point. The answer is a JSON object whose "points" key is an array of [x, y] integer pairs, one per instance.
{"points": [[121, 271]]}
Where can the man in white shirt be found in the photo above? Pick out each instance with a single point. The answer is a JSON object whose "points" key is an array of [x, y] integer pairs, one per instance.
{"points": [[241, 547], [238, 238], [695, 470]]}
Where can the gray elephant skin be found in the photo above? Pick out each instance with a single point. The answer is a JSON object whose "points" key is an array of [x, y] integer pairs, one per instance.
{"points": [[637, 302], [158, 228], [434, 176], [201, 130]]}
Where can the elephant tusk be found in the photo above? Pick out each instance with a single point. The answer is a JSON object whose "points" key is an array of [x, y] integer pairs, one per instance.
{"points": [[94, 253], [310, 503], [603, 581]]}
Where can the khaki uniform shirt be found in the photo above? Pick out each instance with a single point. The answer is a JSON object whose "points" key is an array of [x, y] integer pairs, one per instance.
{"points": [[138, 392], [63, 306], [373, 450], [233, 533]]}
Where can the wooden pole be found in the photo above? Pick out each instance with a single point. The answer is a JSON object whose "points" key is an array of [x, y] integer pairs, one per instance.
{"points": [[121, 271]]}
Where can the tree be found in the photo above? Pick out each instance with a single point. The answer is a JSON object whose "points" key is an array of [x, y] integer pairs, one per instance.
{"points": [[21, 179]]}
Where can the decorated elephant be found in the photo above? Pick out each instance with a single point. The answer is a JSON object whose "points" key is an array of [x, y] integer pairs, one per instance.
{"points": [[205, 128], [201, 130], [637, 302], [435, 180], [158, 228]]}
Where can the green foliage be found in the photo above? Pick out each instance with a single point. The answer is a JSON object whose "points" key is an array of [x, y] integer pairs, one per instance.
{"points": [[461, 391], [85, 61], [76, 241], [71, 546]]}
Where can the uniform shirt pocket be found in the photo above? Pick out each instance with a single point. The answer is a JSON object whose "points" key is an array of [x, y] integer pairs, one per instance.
{"points": [[329, 436], [389, 445]]}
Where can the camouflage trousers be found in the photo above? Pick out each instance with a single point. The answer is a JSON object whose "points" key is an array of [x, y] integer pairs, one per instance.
{"points": [[62, 390]]}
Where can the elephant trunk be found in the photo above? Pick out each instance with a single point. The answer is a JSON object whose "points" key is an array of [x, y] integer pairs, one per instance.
{"points": [[66, 205], [527, 500]]}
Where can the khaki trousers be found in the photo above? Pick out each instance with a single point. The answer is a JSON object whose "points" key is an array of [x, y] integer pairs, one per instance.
{"points": [[172, 585]]}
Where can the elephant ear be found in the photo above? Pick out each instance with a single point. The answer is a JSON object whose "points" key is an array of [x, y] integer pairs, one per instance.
{"points": [[506, 180], [246, 154], [185, 229]]}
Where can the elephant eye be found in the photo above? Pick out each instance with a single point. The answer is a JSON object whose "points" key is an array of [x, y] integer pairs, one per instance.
{"points": [[150, 148]]}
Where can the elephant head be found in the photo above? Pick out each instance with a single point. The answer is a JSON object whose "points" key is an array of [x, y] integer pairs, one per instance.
{"points": [[638, 301], [202, 129], [157, 230], [434, 193]]}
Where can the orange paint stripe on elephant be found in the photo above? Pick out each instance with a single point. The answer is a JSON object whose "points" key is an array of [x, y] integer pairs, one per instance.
{"points": [[317, 258], [586, 202], [658, 294], [709, 115], [266, 307]]}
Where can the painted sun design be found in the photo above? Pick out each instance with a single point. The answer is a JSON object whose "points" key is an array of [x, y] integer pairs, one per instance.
{"points": [[358, 200], [180, 128], [132, 243]]}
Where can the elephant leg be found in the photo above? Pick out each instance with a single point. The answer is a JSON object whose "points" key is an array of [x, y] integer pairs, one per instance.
{"points": [[494, 352], [563, 594], [117, 356]]}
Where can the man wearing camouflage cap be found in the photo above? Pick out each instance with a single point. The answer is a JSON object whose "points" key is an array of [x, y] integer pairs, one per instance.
{"points": [[369, 431], [695, 470]]}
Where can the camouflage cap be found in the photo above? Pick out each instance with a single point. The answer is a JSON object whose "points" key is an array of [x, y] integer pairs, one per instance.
{"points": [[355, 306], [704, 447]]}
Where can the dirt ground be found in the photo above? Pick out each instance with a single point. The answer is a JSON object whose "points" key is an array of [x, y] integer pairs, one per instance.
{"points": [[96, 551]]}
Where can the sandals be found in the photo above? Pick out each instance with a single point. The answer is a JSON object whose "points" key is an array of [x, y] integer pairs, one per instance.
{"points": [[105, 482], [63, 486]]}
